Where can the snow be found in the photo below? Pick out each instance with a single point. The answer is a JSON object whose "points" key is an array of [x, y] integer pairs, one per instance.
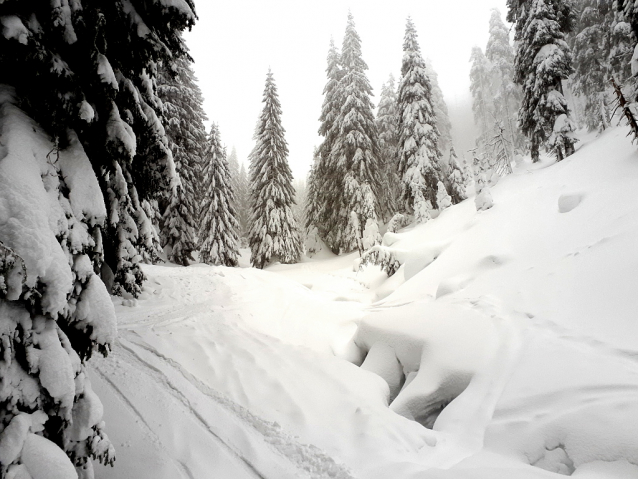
{"points": [[503, 346], [45, 460], [105, 71], [13, 28]]}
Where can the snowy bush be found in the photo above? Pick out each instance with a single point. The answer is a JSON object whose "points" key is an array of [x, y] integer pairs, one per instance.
{"points": [[397, 222], [381, 256]]}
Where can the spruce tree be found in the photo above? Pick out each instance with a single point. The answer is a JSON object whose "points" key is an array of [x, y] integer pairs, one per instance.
{"points": [[183, 108], [507, 95], [354, 157], [419, 153], [218, 231], [80, 90], [387, 121], [543, 61], [273, 232]]}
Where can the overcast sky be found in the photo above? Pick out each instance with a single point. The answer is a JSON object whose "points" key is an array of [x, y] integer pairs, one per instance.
{"points": [[235, 42]]}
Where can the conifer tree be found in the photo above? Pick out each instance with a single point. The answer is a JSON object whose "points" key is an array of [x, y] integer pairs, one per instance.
{"points": [[482, 95], [419, 152], [78, 86], [354, 158], [543, 60], [324, 170], [218, 231], [443, 124], [273, 233], [456, 179], [507, 95], [243, 203], [622, 44], [442, 198], [313, 243], [184, 113], [387, 121]]}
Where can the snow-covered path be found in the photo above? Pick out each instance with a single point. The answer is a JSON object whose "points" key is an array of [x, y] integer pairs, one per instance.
{"points": [[517, 325]]}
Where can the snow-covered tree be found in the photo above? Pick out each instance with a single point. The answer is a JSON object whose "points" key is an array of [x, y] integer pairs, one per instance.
{"points": [[629, 12], [83, 150], [482, 172], [242, 196], [543, 61], [622, 44], [457, 179], [506, 94], [387, 121], [273, 233], [298, 208], [183, 109], [482, 95], [353, 166], [313, 243], [419, 152], [501, 156], [218, 240], [443, 124], [442, 198], [324, 170]]}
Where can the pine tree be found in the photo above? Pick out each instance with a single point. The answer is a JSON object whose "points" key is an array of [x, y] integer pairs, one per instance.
{"points": [[419, 152], [387, 121], [218, 240], [183, 109], [482, 95], [273, 234], [83, 75], [543, 60], [507, 95], [353, 166]]}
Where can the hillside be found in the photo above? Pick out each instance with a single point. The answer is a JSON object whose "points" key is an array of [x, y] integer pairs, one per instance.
{"points": [[511, 333]]}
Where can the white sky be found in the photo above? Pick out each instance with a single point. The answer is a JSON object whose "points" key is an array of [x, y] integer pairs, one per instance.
{"points": [[235, 41]]}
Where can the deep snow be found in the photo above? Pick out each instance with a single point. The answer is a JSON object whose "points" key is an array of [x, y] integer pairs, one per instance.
{"points": [[523, 316]]}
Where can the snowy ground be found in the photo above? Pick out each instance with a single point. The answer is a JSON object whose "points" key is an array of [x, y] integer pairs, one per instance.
{"points": [[518, 325]]}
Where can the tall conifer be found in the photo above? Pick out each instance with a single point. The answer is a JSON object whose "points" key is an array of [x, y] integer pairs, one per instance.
{"points": [[543, 61], [273, 232], [354, 157], [218, 230], [183, 110], [387, 122], [419, 152]]}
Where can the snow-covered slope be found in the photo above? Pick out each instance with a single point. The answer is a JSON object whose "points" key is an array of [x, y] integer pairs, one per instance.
{"points": [[512, 332]]}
